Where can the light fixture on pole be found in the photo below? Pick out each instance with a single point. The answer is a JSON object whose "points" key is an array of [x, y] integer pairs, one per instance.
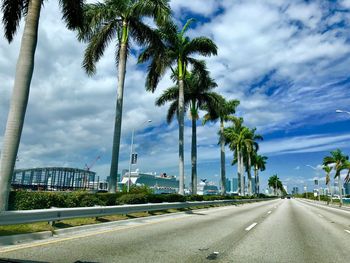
{"points": [[133, 156]]}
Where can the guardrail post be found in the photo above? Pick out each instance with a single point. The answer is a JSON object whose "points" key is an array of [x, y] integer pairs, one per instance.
{"points": [[52, 223]]}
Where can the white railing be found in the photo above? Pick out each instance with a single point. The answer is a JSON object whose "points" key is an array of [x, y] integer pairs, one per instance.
{"points": [[56, 214]]}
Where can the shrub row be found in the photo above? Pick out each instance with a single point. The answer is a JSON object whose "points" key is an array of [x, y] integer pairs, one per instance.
{"points": [[23, 200]]}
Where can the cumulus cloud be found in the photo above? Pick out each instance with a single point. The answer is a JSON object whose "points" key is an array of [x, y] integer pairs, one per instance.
{"points": [[287, 61]]}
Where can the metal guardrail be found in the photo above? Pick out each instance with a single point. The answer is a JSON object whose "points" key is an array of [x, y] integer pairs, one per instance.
{"points": [[56, 214]]}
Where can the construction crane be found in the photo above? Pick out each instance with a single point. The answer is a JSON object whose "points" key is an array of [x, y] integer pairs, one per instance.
{"points": [[88, 167]]}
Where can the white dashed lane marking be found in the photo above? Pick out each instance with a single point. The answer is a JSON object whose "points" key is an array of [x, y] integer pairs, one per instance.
{"points": [[251, 226]]}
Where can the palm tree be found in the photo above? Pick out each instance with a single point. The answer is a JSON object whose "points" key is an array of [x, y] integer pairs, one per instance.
{"points": [[198, 94], [340, 162], [13, 11], [249, 152], [239, 140], [328, 170], [175, 49], [222, 113], [275, 183], [119, 20], [259, 163]]}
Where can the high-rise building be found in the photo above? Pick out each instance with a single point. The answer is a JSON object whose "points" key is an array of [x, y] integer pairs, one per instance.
{"points": [[253, 185], [234, 187], [347, 188], [228, 185], [295, 190]]}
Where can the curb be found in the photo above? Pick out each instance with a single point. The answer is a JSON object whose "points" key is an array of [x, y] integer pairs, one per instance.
{"points": [[17, 239], [321, 203]]}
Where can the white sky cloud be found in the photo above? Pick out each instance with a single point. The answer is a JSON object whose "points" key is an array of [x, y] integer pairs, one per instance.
{"points": [[69, 119]]}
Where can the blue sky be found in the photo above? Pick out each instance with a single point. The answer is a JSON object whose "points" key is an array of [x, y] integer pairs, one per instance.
{"points": [[286, 61]]}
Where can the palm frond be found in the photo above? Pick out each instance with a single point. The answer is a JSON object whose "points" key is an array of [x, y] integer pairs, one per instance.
{"points": [[12, 11], [172, 111], [328, 160], [156, 70], [97, 46], [187, 25], [156, 9], [143, 34], [201, 45], [95, 16], [72, 12], [169, 95]]}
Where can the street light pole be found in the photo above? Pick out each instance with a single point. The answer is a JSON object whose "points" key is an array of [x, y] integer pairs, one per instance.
{"points": [[130, 162], [131, 152]]}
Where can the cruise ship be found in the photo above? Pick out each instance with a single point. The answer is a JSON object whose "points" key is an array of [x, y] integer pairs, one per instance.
{"points": [[160, 184], [207, 188]]}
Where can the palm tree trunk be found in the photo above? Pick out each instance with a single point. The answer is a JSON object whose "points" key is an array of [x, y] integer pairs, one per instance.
{"points": [[194, 155], [181, 137], [340, 191], [222, 152], [112, 186], [239, 170], [242, 175], [256, 179], [19, 100], [249, 175], [331, 191]]}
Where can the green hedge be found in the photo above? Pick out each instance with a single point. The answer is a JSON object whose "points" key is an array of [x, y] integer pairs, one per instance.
{"points": [[24, 200]]}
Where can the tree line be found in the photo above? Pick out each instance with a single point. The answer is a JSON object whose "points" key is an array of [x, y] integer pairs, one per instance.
{"points": [[165, 47], [336, 161]]}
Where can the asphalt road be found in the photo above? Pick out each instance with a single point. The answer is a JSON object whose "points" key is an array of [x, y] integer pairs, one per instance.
{"points": [[273, 231]]}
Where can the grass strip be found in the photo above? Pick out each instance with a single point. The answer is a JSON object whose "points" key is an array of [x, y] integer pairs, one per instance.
{"points": [[45, 226]]}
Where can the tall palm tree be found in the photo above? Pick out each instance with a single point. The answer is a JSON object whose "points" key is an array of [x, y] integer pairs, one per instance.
{"points": [[13, 11], [340, 162], [328, 170], [175, 49], [238, 137], [259, 163], [198, 94], [275, 183], [222, 113], [249, 152], [120, 21]]}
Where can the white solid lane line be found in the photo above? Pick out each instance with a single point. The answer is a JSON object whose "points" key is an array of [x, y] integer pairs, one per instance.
{"points": [[269, 212], [320, 215], [251, 226], [347, 231]]}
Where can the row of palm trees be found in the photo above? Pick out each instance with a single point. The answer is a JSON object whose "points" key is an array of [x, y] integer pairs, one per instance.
{"points": [[275, 183], [165, 47], [338, 162], [243, 141], [199, 95]]}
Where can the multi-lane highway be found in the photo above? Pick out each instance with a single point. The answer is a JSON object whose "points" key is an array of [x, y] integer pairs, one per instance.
{"points": [[286, 230]]}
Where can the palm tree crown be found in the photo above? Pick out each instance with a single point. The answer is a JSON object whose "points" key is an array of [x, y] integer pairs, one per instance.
{"points": [[340, 162], [120, 20], [328, 170]]}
